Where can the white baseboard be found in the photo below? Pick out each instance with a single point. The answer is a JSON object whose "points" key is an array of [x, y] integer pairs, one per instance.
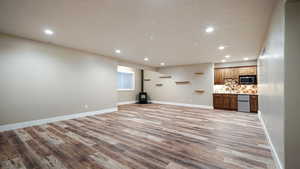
{"points": [[274, 153], [184, 104], [54, 119], [127, 102]]}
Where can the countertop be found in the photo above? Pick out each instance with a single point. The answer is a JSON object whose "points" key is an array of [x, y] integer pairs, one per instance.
{"points": [[238, 93]]}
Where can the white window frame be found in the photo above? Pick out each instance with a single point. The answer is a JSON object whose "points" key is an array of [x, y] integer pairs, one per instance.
{"points": [[123, 69]]}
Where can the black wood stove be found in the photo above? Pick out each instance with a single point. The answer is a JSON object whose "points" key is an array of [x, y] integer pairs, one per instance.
{"points": [[142, 96]]}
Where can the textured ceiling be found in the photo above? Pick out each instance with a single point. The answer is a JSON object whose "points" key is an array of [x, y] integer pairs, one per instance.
{"points": [[170, 31]]}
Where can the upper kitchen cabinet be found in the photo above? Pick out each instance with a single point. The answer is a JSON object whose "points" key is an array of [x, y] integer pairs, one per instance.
{"points": [[219, 76], [232, 73], [247, 70]]}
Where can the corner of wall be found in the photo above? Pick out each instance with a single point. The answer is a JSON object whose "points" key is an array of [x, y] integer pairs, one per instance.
{"points": [[273, 150]]}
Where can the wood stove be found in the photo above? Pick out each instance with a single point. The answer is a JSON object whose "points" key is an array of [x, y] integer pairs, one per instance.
{"points": [[142, 96]]}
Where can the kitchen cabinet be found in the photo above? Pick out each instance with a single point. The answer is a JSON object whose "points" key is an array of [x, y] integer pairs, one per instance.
{"points": [[230, 102], [253, 103], [219, 76], [225, 101], [233, 102], [232, 73], [218, 101], [247, 71]]}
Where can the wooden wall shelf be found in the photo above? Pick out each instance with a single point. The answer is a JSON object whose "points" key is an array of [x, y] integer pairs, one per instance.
{"points": [[199, 73], [159, 84], [165, 77], [147, 79], [199, 91], [182, 82]]}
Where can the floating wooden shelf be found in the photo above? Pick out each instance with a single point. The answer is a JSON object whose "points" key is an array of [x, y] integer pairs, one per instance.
{"points": [[182, 82], [199, 73], [147, 79], [200, 91], [165, 77], [159, 84]]}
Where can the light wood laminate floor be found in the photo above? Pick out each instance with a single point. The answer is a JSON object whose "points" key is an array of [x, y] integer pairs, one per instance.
{"points": [[141, 137]]}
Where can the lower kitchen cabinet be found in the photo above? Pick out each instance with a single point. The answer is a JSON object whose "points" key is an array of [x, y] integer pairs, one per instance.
{"points": [[230, 102], [218, 101], [253, 103], [225, 101], [233, 102]]}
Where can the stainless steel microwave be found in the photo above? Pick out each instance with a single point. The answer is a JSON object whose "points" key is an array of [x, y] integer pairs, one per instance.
{"points": [[247, 79]]}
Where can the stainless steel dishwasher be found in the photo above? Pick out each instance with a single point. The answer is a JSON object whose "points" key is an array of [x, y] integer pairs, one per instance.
{"points": [[243, 103]]}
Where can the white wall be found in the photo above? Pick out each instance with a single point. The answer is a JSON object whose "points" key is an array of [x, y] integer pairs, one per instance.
{"points": [[40, 81], [129, 96], [271, 81], [185, 93], [292, 81]]}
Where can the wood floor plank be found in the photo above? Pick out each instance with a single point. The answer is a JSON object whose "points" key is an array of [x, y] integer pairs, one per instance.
{"points": [[174, 166], [150, 136], [12, 164]]}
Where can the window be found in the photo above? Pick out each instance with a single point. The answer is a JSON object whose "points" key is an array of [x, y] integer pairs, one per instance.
{"points": [[125, 78]]}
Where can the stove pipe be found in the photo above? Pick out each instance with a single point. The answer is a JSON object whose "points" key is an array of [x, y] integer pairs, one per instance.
{"points": [[142, 80]]}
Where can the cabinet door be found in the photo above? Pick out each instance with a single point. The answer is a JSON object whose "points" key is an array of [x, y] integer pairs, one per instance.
{"points": [[227, 73], [243, 71], [231, 73], [247, 70], [227, 101], [253, 103], [233, 102], [235, 73], [218, 101], [252, 71], [219, 76]]}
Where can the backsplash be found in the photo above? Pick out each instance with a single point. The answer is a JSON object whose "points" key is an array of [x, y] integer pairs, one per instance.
{"points": [[233, 86]]}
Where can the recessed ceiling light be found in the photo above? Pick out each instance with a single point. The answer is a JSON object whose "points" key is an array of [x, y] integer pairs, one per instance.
{"points": [[118, 51], [221, 47], [151, 37], [209, 29], [227, 56], [48, 32], [246, 58], [223, 60], [162, 64], [146, 59]]}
